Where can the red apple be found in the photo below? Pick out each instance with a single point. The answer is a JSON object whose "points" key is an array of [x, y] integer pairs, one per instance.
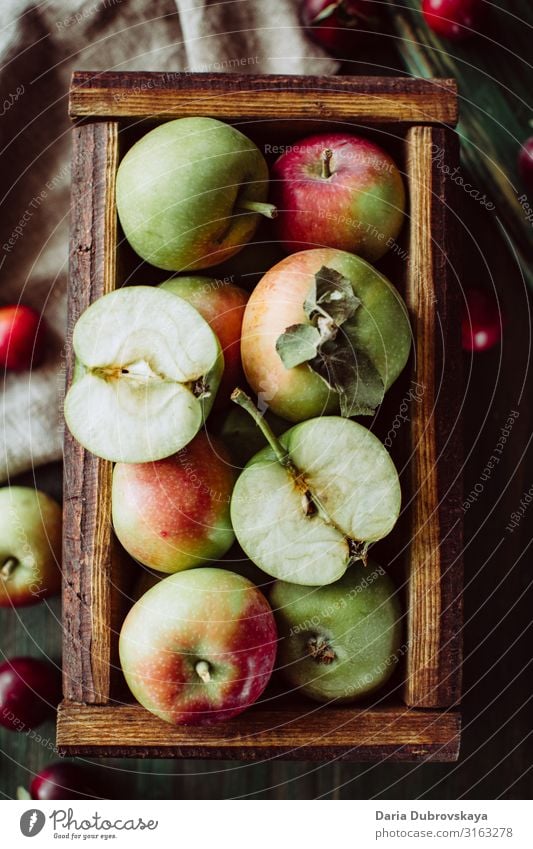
{"points": [[30, 690], [174, 513], [21, 337], [340, 191], [30, 546], [339, 25], [454, 19], [482, 321], [199, 647], [222, 305]]}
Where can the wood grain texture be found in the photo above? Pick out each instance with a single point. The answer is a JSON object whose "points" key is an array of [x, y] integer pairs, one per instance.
{"points": [[434, 566], [393, 733], [88, 539], [251, 97]]}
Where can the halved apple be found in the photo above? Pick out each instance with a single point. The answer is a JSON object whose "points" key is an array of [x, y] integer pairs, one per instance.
{"points": [[147, 371]]}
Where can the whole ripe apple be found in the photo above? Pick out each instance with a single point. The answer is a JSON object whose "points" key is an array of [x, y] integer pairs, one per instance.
{"points": [[199, 647], [174, 514], [30, 690], [322, 332], [190, 193], [30, 546], [304, 508], [148, 367], [222, 305], [339, 642], [22, 333], [339, 191]]}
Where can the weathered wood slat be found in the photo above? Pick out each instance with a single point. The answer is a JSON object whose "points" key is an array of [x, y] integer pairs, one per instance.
{"points": [[434, 567], [390, 733], [88, 540], [232, 96]]}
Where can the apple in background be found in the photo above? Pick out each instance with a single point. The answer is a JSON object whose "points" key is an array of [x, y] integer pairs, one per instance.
{"points": [[30, 690], [174, 514], [199, 647], [222, 305], [345, 332], [339, 191], [190, 193], [30, 546], [340, 26], [68, 780], [309, 504], [339, 642], [454, 19], [234, 560], [22, 332], [148, 367]]}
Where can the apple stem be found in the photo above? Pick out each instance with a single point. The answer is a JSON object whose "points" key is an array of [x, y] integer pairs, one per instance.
{"points": [[243, 400], [266, 209], [326, 157], [8, 568], [320, 650], [203, 671]]}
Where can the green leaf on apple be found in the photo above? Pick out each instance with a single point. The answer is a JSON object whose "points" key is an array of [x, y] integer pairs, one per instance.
{"points": [[333, 355]]}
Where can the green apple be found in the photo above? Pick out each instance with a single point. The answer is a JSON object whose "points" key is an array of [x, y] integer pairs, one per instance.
{"points": [[191, 192], [148, 367], [30, 546], [339, 642], [308, 505]]}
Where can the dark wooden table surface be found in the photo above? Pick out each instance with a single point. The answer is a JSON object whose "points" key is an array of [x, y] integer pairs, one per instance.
{"points": [[495, 88]]}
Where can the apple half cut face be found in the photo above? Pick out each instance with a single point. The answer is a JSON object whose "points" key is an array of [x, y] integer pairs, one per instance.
{"points": [[147, 371], [304, 513]]}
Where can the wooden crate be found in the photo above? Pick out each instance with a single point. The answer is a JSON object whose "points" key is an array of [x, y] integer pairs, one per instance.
{"points": [[417, 718]]}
